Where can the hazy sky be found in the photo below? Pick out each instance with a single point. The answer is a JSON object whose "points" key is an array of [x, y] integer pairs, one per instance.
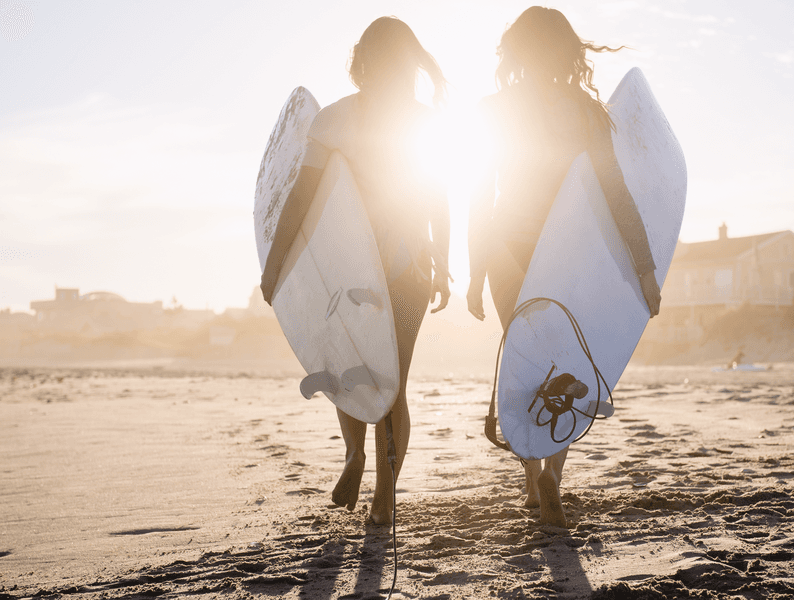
{"points": [[131, 132]]}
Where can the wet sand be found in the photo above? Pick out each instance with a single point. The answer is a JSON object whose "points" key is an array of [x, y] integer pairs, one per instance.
{"points": [[136, 483]]}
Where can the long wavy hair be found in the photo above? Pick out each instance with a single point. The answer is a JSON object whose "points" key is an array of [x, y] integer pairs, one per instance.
{"points": [[388, 48], [542, 45]]}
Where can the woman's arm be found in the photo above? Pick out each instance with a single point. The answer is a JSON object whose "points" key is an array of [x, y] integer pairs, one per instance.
{"points": [[481, 204], [480, 215], [295, 209], [439, 224], [627, 217]]}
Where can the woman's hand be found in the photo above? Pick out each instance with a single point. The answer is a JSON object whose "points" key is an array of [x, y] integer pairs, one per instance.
{"points": [[440, 286], [474, 299], [651, 291]]}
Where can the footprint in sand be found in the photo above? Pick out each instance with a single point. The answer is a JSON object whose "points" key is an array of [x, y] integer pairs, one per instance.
{"points": [[596, 457]]}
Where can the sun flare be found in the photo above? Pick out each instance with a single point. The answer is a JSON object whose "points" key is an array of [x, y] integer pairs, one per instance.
{"points": [[454, 150]]}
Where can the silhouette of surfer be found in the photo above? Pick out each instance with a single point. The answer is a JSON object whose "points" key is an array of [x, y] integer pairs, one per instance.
{"points": [[547, 111], [736, 360], [377, 129]]}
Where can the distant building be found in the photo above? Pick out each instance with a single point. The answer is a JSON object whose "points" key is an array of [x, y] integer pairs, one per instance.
{"points": [[258, 306], [95, 312], [15, 320], [707, 279], [755, 269]]}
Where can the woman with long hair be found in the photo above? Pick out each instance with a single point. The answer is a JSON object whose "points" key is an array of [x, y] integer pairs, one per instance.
{"points": [[376, 130], [547, 111]]}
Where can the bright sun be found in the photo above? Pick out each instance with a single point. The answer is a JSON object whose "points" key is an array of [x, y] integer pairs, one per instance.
{"points": [[451, 149]]}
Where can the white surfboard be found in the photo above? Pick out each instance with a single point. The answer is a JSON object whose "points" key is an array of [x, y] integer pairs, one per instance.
{"points": [[582, 262], [331, 298]]}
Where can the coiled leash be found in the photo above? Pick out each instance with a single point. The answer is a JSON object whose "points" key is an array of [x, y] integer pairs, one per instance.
{"points": [[391, 453], [557, 393]]}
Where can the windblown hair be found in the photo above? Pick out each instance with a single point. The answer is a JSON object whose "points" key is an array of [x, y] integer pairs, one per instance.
{"points": [[389, 42], [541, 44]]}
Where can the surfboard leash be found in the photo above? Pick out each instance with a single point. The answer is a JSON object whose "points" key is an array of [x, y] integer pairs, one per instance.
{"points": [[392, 458], [555, 399], [558, 395]]}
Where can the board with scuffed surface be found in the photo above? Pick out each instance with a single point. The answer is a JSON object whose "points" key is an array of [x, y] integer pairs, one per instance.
{"points": [[280, 166], [331, 297]]}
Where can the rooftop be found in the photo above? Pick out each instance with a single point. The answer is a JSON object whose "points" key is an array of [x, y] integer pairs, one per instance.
{"points": [[724, 248]]}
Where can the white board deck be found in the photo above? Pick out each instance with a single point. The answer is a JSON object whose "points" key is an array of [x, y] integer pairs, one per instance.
{"points": [[582, 262], [332, 301]]}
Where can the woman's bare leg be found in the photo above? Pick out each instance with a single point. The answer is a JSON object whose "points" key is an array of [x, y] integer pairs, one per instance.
{"points": [[409, 300], [354, 433], [383, 499], [506, 276], [532, 469], [551, 511]]}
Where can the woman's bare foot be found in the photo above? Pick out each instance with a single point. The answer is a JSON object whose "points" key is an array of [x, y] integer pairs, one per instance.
{"points": [[533, 499], [532, 469], [551, 512], [379, 515], [381, 511], [346, 491]]}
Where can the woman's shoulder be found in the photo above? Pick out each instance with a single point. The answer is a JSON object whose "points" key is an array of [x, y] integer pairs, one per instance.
{"points": [[509, 108], [572, 114], [422, 115], [421, 108], [341, 109], [494, 102], [493, 109], [332, 121]]}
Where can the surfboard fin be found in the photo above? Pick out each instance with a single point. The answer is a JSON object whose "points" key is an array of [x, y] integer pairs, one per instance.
{"points": [[600, 409], [359, 296], [322, 381], [354, 376]]}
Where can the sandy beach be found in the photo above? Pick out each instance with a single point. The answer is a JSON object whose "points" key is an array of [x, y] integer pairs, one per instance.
{"points": [[159, 482]]}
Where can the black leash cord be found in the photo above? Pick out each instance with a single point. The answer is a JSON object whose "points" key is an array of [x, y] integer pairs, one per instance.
{"points": [[582, 343], [392, 456]]}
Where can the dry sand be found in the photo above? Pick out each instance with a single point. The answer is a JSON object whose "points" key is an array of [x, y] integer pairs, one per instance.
{"points": [[140, 483]]}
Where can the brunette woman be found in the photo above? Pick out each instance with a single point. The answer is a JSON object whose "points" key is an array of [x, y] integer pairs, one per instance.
{"points": [[546, 113], [376, 130]]}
